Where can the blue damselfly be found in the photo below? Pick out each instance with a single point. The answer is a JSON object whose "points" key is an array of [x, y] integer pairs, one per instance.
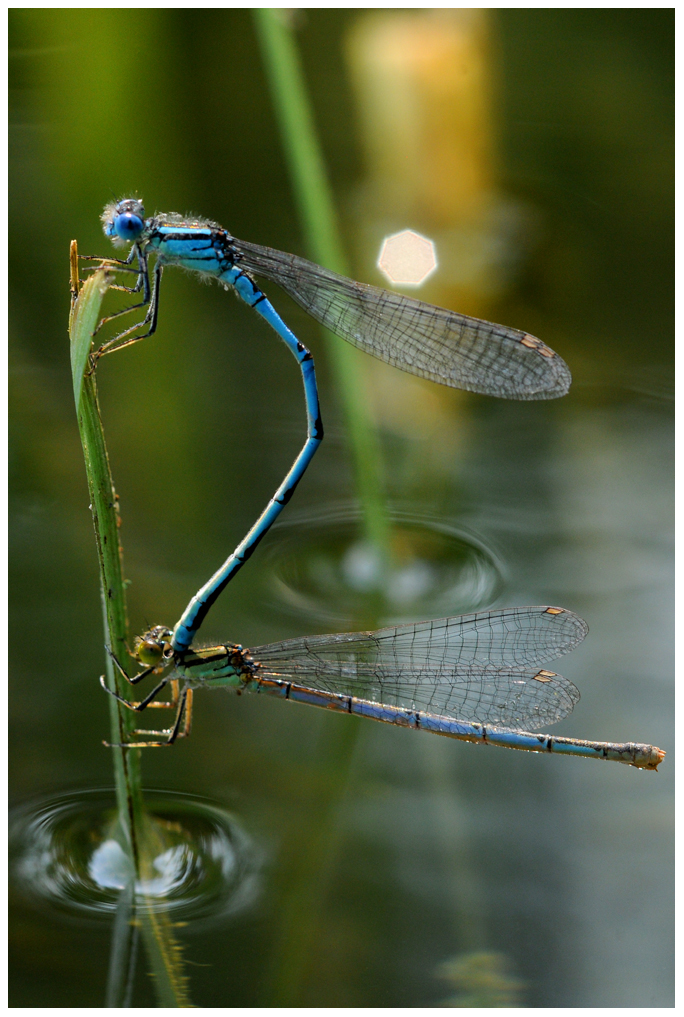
{"points": [[476, 677]]}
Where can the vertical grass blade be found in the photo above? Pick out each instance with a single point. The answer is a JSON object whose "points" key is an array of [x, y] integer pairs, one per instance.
{"points": [[135, 830], [319, 222], [302, 901], [85, 314]]}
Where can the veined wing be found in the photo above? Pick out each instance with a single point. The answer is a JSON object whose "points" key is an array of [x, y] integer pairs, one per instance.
{"points": [[510, 637], [431, 342], [482, 667]]}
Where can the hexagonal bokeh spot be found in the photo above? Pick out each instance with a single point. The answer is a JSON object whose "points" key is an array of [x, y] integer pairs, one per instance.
{"points": [[407, 258]]}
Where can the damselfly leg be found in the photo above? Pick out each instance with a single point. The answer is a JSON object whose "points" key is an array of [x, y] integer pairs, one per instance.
{"points": [[181, 702]]}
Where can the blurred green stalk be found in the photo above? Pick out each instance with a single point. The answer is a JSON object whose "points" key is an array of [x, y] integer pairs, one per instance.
{"points": [[85, 314], [322, 239], [302, 900], [137, 832]]}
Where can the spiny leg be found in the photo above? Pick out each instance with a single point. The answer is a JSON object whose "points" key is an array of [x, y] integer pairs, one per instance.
{"points": [[167, 704], [185, 700], [148, 700], [118, 342], [113, 261], [116, 266], [119, 287], [186, 714], [187, 727], [120, 266], [142, 283], [136, 678], [124, 310]]}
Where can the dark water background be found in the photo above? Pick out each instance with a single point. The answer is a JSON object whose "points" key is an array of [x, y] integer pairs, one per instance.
{"points": [[382, 853]]}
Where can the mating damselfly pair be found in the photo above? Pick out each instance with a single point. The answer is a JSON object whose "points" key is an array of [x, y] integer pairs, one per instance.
{"points": [[475, 677]]}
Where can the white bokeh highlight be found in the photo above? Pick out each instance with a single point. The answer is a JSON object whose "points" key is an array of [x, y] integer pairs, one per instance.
{"points": [[407, 258]]}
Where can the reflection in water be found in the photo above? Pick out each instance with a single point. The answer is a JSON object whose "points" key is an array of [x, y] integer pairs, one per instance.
{"points": [[65, 855], [322, 569]]}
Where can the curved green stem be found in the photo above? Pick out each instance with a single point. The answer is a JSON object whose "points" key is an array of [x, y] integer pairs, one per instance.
{"points": [[321, 234], [136, 830]]}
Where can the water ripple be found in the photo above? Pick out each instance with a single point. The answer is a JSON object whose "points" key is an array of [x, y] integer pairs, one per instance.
{"points": [[322, 567], [67, 855]]}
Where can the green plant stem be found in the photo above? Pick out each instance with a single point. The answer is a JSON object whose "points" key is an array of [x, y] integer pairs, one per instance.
{"points": [[319, 222], [137, 830], [302, 901], [103, 504]]}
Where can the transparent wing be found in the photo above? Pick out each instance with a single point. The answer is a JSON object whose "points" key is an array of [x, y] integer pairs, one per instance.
{"points": [[429, 341], [481, 667]]}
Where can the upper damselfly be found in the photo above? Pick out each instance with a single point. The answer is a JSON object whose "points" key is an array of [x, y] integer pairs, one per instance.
{"points": [[431, 342]]}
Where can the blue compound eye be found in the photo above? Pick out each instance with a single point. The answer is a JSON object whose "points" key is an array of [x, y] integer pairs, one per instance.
{"points": [[128, 226]]}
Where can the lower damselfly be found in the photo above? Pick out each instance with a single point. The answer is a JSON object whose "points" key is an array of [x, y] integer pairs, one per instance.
{"points": [[430, 342], [476, 677]]}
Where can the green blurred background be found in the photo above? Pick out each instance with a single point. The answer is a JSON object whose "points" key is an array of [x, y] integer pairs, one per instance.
{"points": [[535, 147]]}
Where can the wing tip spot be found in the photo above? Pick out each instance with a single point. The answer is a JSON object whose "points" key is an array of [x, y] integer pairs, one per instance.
{"points": [[544, 676], [533, 343]]}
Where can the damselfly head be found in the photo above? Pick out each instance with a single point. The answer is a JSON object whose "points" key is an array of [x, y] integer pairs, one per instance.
{"points": [[153, 647], [123, 221]]}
